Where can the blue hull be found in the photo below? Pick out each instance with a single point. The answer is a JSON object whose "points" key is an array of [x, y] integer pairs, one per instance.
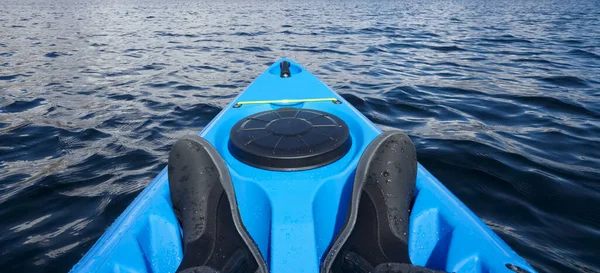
{"points": [[294, 216]]}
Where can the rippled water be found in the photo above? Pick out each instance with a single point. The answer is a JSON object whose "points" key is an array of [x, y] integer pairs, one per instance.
{"points": [[500, 97]]}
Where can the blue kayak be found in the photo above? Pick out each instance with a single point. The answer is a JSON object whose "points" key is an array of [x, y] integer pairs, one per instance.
{"points": [[294, 209]]}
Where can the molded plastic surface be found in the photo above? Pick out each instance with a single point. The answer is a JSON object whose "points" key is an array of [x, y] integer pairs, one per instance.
{"points": [[293, 216]]}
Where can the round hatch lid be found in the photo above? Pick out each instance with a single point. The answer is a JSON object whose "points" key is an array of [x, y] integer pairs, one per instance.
{"points": [[289, 139]]}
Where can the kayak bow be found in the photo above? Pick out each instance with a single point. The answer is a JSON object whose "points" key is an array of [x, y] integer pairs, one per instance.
{"points": [[294, 209]]}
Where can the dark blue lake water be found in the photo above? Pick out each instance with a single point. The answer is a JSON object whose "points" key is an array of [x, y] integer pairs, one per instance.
{"points": [[502, 99]]}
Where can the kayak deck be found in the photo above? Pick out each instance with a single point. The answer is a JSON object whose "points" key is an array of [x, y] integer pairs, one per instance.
{"points": [[294, 216]]}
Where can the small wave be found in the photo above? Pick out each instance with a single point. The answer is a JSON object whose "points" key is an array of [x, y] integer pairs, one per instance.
{"points": [[91, 134], [153, 66], [123, 97], [171, 34], [55, 54], [255, 48], [187, 87], [453, 64], [373, 50], [135, 50], [572, 41], [378, 30], [249, 33], [181, 46], [323, 51], [506, 40], [88, 116], [162, 84], [424, 35], [566, 81], [157, 106], [206, 67], [356, 101], [584, 53], [10, 77], [213, 96], [554, 104], [21, 106], [406, 104], [401, 45], [124, 158], [191, 118], [449, 91], [370, 29], [530, 60], [446, 48], [228, 86], [120, 73], [46, 140], [367, 107]]}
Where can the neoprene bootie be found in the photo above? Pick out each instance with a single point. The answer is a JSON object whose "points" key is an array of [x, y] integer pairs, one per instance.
{"points": [[377, 226], [204, 201]]}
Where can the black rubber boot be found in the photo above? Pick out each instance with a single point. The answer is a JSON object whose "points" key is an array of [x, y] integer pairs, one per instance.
{"points": [[403, 268], [355, 264], [376, 229], [214, 238]]}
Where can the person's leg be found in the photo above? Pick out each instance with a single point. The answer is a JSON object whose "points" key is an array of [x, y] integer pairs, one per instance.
{"points": [[203, 199]]}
